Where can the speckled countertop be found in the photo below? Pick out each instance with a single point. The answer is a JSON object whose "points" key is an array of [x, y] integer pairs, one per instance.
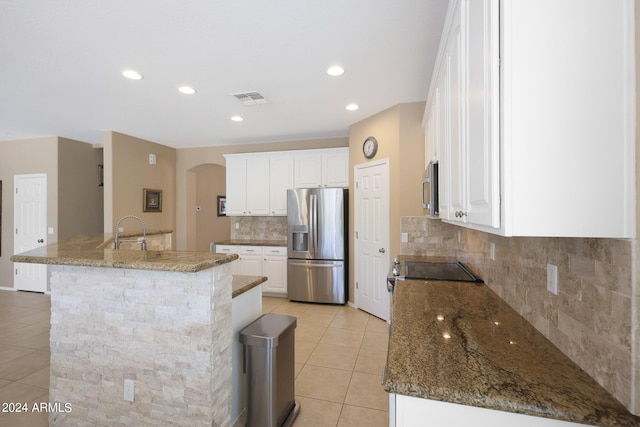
{"points": [[242, 284], [244, 242], [483, 353], [87, 251]]}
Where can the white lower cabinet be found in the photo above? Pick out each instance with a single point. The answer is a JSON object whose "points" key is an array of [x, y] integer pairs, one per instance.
{"points": [[268, 261], [416, 412], [274, 266]]}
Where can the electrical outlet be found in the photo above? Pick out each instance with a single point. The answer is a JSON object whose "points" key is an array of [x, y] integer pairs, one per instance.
{"points": [[404, 237], [552, 278], [237, 226], [492, 251], [129, 390]]}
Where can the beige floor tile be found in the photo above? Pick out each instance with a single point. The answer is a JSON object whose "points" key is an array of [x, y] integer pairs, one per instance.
{"points": [[28, 419], [8, 326], [290, 308], [315, 317], [333, 356], [270, 303], [299, 367], [345, 337], [12, 352], [26, 365], [18, 392], [354, 416], [323, 383], [309, 332], [317, 413], [375, 341], [371, 361], [302, 350], [39, 378], [366, 391], [20, 334], [38, 317], [354, 320], [35, 342], [377, 326]]}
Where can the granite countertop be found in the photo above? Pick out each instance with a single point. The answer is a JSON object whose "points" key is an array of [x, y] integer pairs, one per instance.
{"points": [[483, 353], [242, 284], [247, 242], [89, 251]]}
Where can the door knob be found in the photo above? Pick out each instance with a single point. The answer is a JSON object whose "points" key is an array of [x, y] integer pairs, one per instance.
{"points": [[381, 250]]}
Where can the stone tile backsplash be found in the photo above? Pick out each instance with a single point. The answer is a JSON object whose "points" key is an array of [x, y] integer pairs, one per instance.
{"points": [[259, 228], [595, 317]]}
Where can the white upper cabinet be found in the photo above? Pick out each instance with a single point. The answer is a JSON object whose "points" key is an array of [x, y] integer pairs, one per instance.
{"points": [[247, 185], [322, 168], [257, 183], [281, 179], [533, 119]]}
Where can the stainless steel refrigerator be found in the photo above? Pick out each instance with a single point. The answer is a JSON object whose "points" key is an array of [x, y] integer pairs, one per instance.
{"points": [[317, 267]]}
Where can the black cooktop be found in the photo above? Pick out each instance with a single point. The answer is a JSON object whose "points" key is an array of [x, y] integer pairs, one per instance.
{"points": [[453, 271]]}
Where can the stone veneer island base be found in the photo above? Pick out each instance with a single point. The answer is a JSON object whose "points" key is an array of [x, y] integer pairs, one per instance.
{"points": [[159, 318], [168, 332]]}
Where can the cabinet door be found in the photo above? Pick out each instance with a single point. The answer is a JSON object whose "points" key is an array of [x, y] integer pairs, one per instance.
{"points": [[308, 170], [257, 185], [454, 132], [335, 168], [250, 265], [281, 179], [236, 185], [482, 185], [275, 268]]}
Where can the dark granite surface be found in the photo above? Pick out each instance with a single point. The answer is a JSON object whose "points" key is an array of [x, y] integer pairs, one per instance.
{"points": [[86, 251], [461, 343]]}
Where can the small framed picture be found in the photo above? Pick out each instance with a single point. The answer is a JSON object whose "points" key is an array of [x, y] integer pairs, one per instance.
{"points": [[222, 205], [152, 200]]}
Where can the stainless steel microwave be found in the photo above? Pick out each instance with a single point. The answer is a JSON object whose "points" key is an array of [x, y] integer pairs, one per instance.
{"points": [[430, 190]]}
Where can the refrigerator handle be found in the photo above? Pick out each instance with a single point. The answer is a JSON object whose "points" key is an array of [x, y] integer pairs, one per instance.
{"points": [[314, 224]]}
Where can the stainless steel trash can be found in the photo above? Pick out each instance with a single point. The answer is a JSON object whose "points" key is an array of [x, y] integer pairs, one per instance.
{"points": [[269, 362]]}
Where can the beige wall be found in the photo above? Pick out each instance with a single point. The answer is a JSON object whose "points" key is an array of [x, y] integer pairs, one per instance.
{"points": [[74, 201], [190, 158], [128, 172], [28, 156], [210, 183], [80, 199], [400, 137]]}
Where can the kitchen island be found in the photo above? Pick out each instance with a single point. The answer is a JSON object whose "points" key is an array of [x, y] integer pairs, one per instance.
{"points": [[459, 355], [162, 319]]}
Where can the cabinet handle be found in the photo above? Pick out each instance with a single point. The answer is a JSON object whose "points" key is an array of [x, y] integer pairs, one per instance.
{"points": [[460, 214]]}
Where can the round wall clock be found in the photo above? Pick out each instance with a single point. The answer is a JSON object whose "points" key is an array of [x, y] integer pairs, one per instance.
{"points": [[370, 147]]}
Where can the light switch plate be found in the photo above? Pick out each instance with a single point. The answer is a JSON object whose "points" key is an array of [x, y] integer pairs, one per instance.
{"points": [[404, 237]]}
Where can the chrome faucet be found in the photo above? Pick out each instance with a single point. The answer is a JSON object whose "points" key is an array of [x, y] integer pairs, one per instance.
{"points": [[118, 240]]}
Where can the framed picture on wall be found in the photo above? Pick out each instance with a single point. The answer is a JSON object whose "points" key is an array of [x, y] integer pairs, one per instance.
{"points": [[222, 205], [151, 200]]}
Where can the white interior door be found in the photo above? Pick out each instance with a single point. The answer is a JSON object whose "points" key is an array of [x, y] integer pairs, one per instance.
{"points": [[30, 229], [372, 237]]}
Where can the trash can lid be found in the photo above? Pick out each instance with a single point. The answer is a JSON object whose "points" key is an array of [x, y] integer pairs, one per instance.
{"points": [[266, 329]]}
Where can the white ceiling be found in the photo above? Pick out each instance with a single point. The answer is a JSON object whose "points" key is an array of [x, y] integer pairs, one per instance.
{"points": [[61, 64]]}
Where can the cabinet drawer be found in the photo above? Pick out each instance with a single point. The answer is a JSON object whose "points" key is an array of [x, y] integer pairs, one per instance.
{"points": [[227, 249], [274, 250], [250, 250]]}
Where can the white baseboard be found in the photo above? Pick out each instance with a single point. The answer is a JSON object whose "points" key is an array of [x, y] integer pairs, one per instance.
{"points": [[5, 288]]}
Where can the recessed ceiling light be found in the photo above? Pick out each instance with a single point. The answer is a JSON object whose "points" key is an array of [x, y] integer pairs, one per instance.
{"points": [[335, 70], [132, 74], [187, 90], [237, 118], [352, 107]]}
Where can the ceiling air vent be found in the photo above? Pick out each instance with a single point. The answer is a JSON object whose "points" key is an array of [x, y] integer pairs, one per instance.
{"points": [[250, 98]]}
